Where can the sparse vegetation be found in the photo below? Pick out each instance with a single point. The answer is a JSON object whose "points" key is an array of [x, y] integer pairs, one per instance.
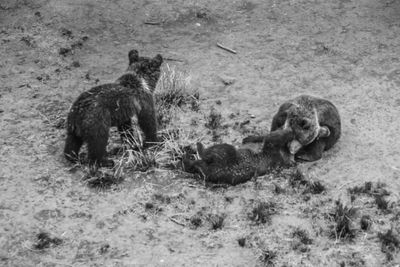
{"points": [[342, 217], [369, 189], [381, 203], [45, 241], [267, 257], [298, 180], [262, 212], [172, 94], [301, 240], [122, 224], [102, 180], [302, 235], [390, 244], [216, 220], [196, 220], [214, 119]]}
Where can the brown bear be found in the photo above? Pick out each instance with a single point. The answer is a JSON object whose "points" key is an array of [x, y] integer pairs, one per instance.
{"points": [[114, 104], [315, 123], [224, 164]]}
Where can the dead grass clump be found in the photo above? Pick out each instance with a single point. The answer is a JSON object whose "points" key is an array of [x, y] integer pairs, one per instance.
{"points": [[314, 187], [148, 206], [364, 189], [298, 180], [214, 120], [301, 240], [172, 93], [369, 189], [378, 192], [390, 244], [137, 157], [162, 198], [45, 241], [102, 180], [262, 212], [196, 220], [216, 220], [381, 202], [302, 235], [267, 257], [342, 218], [168, 153]]}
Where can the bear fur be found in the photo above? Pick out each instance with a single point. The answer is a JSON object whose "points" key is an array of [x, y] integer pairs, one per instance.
{"points": [[114, 104], [315, 122], [225, 164]]}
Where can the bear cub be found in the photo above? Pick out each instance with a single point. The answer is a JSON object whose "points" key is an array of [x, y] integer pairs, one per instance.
{"points": [[97, 110]]}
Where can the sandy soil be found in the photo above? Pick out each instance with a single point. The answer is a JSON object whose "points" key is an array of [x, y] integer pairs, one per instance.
{"points": [[345, 51]]}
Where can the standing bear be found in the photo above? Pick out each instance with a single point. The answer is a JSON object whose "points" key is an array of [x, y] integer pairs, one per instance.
{"points": [[114, 104], [315, 123]]}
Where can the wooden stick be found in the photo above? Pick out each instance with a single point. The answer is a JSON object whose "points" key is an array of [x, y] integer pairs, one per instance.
{"points": [[174, 59], [175, 221], [152, 22], [226, 48]]}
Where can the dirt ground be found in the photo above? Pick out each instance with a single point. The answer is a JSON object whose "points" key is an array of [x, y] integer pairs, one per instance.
{"points": [[344, 50]]}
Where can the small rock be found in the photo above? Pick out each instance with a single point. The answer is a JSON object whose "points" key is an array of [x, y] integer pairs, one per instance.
{"points": [[252, 116], [67, 33], [76, 64], [242, 242], [63, 51], [227, 80], [365, 222]]}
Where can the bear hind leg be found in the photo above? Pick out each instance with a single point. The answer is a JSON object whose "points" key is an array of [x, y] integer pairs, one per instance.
{"points": [[73, 144]]}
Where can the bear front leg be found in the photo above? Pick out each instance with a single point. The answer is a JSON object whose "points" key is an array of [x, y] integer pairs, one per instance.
{"points": [[312, 152], [148, 124], [97, 151], [73, 144]]}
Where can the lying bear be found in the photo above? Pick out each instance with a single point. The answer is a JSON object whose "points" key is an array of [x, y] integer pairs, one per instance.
{"points": [[225, 164], [104, 106], [315, 123]]}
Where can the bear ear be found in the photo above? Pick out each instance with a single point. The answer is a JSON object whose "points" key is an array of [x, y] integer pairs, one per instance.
{"points": [[157, 60], [133, 56]]}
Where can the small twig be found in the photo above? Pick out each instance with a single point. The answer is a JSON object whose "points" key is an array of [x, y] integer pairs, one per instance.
{"points": [[345, 184], [174, 59], [152, 22], [226, 48], [175, 221]]}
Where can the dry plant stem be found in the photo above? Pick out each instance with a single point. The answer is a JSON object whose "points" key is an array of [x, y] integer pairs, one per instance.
{"points": [[226, 48], [175, 221], [152, 22], [173, 59]]}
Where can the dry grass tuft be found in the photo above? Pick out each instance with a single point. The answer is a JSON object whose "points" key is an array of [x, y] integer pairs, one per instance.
{"points": [[174, 99], [390, 244], [342, 217], [173, 94], [262, 212]]}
